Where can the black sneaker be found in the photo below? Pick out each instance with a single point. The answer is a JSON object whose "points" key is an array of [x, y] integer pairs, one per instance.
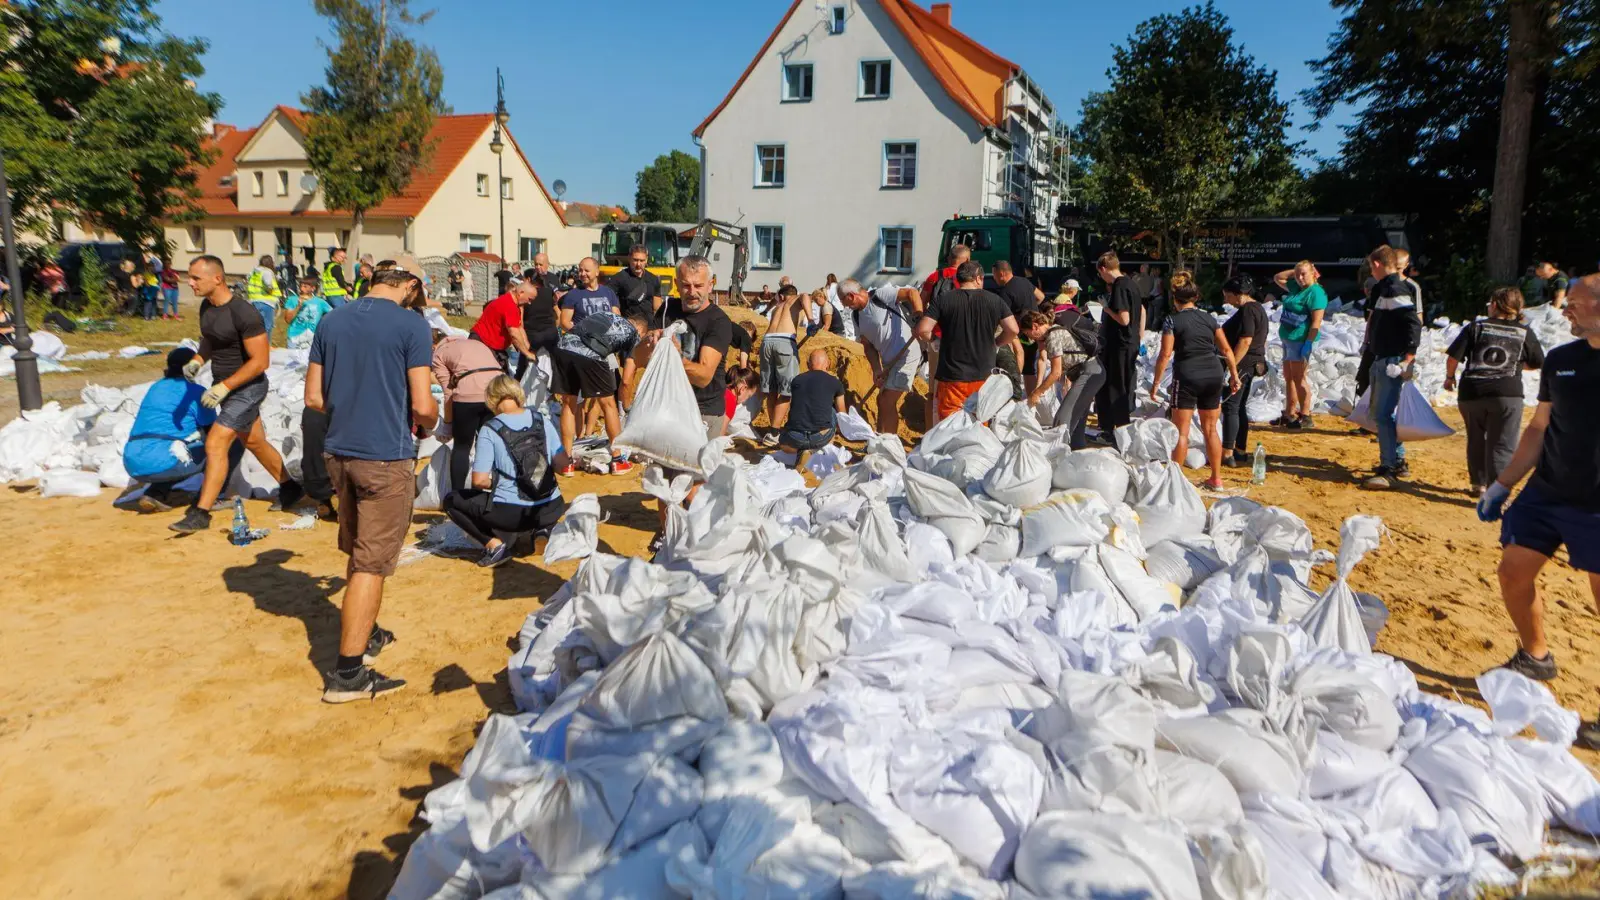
{"points": [[380, 638], [365, 684], [1402, 470], [1525, 663], [327, 513], [1295, 424], [195, 520], [153, 501], [1589, 736], [1233, 460], [290, 493], [499, 556]]}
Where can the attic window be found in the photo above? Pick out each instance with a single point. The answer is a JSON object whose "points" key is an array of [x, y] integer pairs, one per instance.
{"points": [[836, 24], [225, 181]]}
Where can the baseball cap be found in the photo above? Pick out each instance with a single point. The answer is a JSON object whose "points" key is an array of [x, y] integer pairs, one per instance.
{"points": [[1072, 283]]}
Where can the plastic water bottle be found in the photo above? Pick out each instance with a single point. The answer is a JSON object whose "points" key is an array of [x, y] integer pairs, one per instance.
{"points": [[239, 535], [1258, 468]]}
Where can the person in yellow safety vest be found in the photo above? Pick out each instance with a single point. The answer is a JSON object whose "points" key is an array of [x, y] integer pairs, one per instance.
{"points": [[262, 290], [335, 288]]}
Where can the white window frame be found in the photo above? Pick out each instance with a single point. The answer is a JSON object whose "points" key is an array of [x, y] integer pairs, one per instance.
{"points": [[468, 240], [836, 18], [505, 188], [861, 79], [535, 244], [782, 170], [810, 79], [283, 182], [757, 259], [243, 240], [903, 232], [195, 236], [883, 175], [483, 184], [258, 184]]}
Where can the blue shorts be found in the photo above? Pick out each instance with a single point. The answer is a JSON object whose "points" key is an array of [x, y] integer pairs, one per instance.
{"points": [[1542, 525], [1298, 351]]}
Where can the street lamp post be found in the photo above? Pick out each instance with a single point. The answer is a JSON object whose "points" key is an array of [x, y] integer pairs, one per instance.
{"points": [[498, 146], [29, 396]]}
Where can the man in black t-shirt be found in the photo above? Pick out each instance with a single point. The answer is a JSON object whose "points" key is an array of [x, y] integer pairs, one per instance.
{"points": [[1022, 298], [637, 288], [1121, 327], [1561, 503], [974, 324], [706, 344], [815, 397], [234, 340]]}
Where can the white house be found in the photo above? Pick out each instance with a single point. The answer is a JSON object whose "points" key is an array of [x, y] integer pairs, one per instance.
{"points": [[858, 129], [255, 202]]}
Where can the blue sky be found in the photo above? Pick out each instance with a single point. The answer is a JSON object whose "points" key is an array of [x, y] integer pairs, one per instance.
{"points": [[596, 90]]}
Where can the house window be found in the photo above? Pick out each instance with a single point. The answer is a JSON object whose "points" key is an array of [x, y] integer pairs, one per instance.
{"points": [[894, 249], [257, 184], [528, 247], [837, 21], [284, 238], [283, 182], [874, 80], [796, 82], [344, 237], [241, 240], [474, 243], [769, 165], [769, 247], [197, 238], [483, 184], [505, 189], [900, 165]]}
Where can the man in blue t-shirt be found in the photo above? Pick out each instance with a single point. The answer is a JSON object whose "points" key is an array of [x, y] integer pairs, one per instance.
{"points": [[369, 372], [588, 298]]}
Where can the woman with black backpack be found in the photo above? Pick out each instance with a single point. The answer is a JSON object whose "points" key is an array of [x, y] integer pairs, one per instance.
{"points": [[1071, 342], [1202, 370]]}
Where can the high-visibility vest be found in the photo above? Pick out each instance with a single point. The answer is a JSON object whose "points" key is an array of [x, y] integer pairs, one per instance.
{"points": [[256, 288], [330, 284]]}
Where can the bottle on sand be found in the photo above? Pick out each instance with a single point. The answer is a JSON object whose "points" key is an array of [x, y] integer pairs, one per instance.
{"points": [[239, 534], [1258, 468]]}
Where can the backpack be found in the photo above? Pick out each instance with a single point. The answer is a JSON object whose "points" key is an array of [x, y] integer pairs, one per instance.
{"points": [[593, 330], [535, 479], [945, 283], [1084, 329]]}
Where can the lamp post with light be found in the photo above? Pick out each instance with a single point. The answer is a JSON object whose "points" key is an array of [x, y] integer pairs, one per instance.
{"points": [[498, 147]]}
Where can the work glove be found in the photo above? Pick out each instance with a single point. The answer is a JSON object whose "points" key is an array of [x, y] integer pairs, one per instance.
{"points": [[1396, 370], [192, 368], [213, 398], [1492, 502]]}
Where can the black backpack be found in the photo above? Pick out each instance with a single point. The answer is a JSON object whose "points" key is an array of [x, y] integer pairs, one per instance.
{"points": [[945, 284], [1084, 329], [535, 479], [593, 330]]}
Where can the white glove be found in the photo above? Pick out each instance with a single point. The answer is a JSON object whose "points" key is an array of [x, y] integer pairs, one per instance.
{"points": [[1395, 370], [192, 368], [213, 398]]}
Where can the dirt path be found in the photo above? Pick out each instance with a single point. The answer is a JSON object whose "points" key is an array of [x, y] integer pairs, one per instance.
{"points": [[161, 735]]}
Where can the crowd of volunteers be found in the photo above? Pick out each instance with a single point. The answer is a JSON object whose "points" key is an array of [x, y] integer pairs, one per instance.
{"points": [[382, 373]]}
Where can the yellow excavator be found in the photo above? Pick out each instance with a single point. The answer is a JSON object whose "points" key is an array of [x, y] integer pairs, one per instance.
{"points": [[660, 240]]}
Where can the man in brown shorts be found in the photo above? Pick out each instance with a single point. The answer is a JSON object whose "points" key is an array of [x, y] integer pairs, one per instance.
{"points": [[368, 371]]}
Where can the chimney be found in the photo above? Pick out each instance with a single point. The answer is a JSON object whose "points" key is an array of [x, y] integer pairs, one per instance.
{"points": [[941, 13]]}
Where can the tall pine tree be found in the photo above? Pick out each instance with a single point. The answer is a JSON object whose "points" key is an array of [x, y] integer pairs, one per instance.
{"points": [[368, 126]]}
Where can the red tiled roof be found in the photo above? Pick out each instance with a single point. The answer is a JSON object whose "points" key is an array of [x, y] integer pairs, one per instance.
{"points": [[592, 213], [972, 75], [453, 137]]}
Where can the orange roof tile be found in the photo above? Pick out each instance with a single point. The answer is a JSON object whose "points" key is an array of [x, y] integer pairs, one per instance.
{"points": [[970, 73], [453, 135], [592, 213]]}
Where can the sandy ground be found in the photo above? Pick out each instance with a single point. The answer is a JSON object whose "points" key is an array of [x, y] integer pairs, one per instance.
{"points": [[161, 734]]}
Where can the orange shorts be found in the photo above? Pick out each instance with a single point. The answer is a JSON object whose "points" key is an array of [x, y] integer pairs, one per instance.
{"points": [[953, 395]]}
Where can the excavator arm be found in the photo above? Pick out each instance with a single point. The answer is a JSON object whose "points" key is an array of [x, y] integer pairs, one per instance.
{"points": [[711, 231]]}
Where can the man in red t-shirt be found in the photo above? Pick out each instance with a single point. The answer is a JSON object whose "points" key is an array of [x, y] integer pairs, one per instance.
{"points": [[959, 253], [499, 327]]}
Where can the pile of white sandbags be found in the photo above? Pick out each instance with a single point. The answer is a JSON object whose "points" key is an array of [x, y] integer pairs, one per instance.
{"points": [[991, 668]]}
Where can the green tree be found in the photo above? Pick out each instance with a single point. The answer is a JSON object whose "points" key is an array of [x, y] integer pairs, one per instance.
{"points": [[1190, 128], [1440, 104], [368, 127], [669, 189], [99, 116]]}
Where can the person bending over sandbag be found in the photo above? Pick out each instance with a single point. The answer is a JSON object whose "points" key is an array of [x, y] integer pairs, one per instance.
{"points": [[513, 476], [1561, 503], [170, 416], [816, 396]]}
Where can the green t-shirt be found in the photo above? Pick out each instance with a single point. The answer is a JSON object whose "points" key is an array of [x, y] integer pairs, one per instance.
{"points": [[1298, 305]]}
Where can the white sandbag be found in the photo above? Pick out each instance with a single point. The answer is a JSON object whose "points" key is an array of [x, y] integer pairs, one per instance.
{"points": [[1335, 620], [112, 474], [990, 399], [640, 872], [1570, 789], [657, 697], [578, 532], [1075, 854], [999, 544], [665, 425], [1415, 419], [900, 880], [977, 792], [1167, 504], [1099, 470], [1021, 476], [1517, 702], [433, 482], [1147, 440], [1485, 783], [741, 759], [1230, 864], [1071, 518], [945, 508], [1241, 744], [1346, 703], [1184, 561], [852, 427], [69, 483], [1144, 594], [880, 545], [1195, 458]]}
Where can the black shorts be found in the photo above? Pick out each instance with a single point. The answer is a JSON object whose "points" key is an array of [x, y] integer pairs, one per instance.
{"points": [[1204, 392], [1544, 524], [576, 375]]}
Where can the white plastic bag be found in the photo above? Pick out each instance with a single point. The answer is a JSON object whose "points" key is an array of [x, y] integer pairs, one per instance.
{"points": [[1021, 476], [433, 482], [852, 427], [1415, 419], [665, 424], [69, 483], [1335, 620], [989, 399]]}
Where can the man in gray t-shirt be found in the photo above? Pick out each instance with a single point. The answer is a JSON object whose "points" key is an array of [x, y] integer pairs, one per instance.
{"points": [[884, 320]]}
